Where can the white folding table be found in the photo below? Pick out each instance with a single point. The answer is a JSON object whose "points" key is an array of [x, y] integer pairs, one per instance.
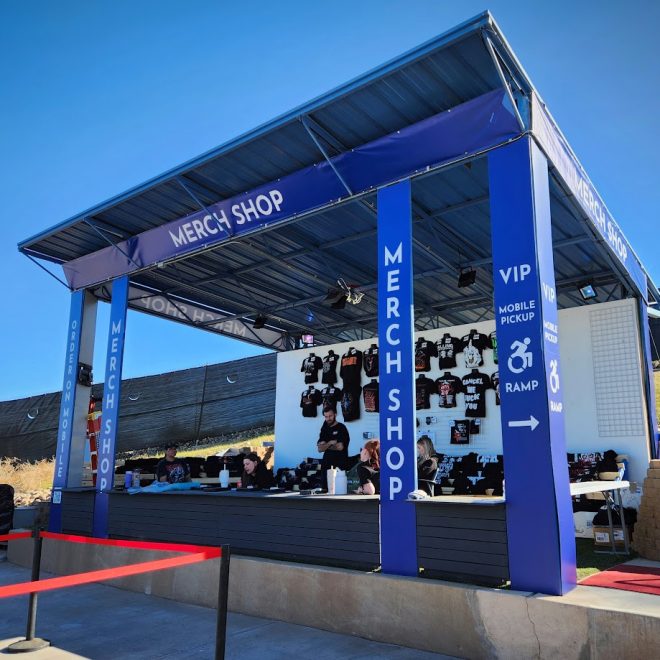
{"points": [[612, 491]]}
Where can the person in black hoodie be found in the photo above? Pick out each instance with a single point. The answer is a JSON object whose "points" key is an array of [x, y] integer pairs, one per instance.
{"points": [[255, 473]]}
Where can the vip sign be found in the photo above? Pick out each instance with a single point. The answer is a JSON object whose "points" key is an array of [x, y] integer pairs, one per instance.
{"points": [[541, 557]]}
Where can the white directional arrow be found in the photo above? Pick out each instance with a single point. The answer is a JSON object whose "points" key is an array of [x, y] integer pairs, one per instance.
{"points": [[532, 422]]}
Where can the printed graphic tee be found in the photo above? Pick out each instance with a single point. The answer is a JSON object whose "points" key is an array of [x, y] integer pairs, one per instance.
{"points": [[330, 397], [175, 470], [350, 403], [370, 395], [310, 367], [475, 385], [370, 359], [310, 400], [424, 350], [460, 432], [447, 387], [329, 371], [473, 345], [495, 380], [351, 368], [493, 344], [447, 347], [424, 387]]}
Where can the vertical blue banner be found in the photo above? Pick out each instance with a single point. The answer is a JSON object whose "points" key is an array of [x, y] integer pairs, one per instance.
{"points": [[398, 476], [110, 410], [67, 404], [649, 380], [538, 504]]}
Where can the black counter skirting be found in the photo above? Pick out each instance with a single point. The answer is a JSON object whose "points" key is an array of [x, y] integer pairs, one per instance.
{"points": [[460, 542]]}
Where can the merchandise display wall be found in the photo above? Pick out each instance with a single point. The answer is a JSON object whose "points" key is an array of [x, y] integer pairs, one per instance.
{"points": [[603, 392]]}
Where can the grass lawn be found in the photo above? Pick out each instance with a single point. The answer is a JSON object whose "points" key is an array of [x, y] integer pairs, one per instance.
{"points": [[588, 562]]}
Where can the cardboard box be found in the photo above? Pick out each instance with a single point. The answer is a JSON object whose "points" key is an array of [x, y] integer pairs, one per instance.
{"points": [[583, 524], [602, 536]]}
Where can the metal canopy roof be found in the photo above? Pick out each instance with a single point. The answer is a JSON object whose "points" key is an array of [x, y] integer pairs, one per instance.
{"points": [[285, 271]]}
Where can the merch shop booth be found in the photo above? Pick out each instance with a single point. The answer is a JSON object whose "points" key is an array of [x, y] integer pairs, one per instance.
{"points": [[429, 226]]}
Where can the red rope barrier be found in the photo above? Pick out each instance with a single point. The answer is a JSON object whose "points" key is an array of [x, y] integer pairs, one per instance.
{"points": [[15, 535], [139, 545], [23, 588]]}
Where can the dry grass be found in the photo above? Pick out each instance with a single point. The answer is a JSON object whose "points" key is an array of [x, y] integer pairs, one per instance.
{"points": [[31, 481], [209, 449], [25, 476]]}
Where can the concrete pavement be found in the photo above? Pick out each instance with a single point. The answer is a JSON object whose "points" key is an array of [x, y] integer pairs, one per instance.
{"points": [[97, 621]]}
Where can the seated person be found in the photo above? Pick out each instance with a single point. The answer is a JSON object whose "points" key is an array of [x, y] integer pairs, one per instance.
{"points": [[427, 465], [170, 468], [369, 468], [255, 473], [333, 444]]}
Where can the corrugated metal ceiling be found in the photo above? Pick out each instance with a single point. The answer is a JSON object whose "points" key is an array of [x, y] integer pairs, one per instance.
{"points": [[285, 272]]}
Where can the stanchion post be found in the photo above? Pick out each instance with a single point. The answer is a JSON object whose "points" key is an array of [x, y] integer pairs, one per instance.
{"points": [[32, 643], [223, 594], [36, 571]]}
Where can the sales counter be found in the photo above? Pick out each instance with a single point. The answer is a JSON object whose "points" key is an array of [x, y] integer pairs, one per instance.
{"points": [[458, 538]]}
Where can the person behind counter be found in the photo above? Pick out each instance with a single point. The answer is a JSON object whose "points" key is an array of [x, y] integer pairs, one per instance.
{"points": [[427, 465], [369, 468], [255, 473], [172, 469], [333, 444]]}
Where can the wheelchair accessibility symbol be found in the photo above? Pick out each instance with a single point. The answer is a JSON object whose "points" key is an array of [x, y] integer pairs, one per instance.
{"points": [[554, 377], [521, 358]]}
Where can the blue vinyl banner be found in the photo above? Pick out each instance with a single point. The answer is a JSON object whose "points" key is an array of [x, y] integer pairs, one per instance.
{"points": [[110, 409], [398, 465], [649, 380], [65, 426], [465, 129], [574, 176], [538, 504]]}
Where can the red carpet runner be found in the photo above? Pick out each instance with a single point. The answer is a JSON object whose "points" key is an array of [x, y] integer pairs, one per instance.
{"points": [[629, 577]]}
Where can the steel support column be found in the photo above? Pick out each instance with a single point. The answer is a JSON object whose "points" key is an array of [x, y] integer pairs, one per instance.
{"points": [[74, 405], [398, 476], [538, 504], [111, 398]]}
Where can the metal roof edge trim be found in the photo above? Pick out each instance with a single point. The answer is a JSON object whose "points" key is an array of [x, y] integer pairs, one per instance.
{"points": [[456, 33]]}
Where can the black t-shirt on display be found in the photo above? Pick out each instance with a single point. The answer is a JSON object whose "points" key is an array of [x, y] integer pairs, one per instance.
{"points": [[329, 370], [330, 396], [351, 367], [310, 367], [370, 359], [370, 395], [424, 387], [447, 347], [460, 432], [448, 387], [424, 351], [493, 344], [310, 400], [350, 403], [475, 385], [495, 380], [472, 346]]}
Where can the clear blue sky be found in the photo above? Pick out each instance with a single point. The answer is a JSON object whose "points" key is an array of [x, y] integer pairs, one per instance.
{"points": [[99, 96]]}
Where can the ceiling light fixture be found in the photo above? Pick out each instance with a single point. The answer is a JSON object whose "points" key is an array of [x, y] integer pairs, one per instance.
{"points": [[467, 277], [259, 322], [587, 291]]}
